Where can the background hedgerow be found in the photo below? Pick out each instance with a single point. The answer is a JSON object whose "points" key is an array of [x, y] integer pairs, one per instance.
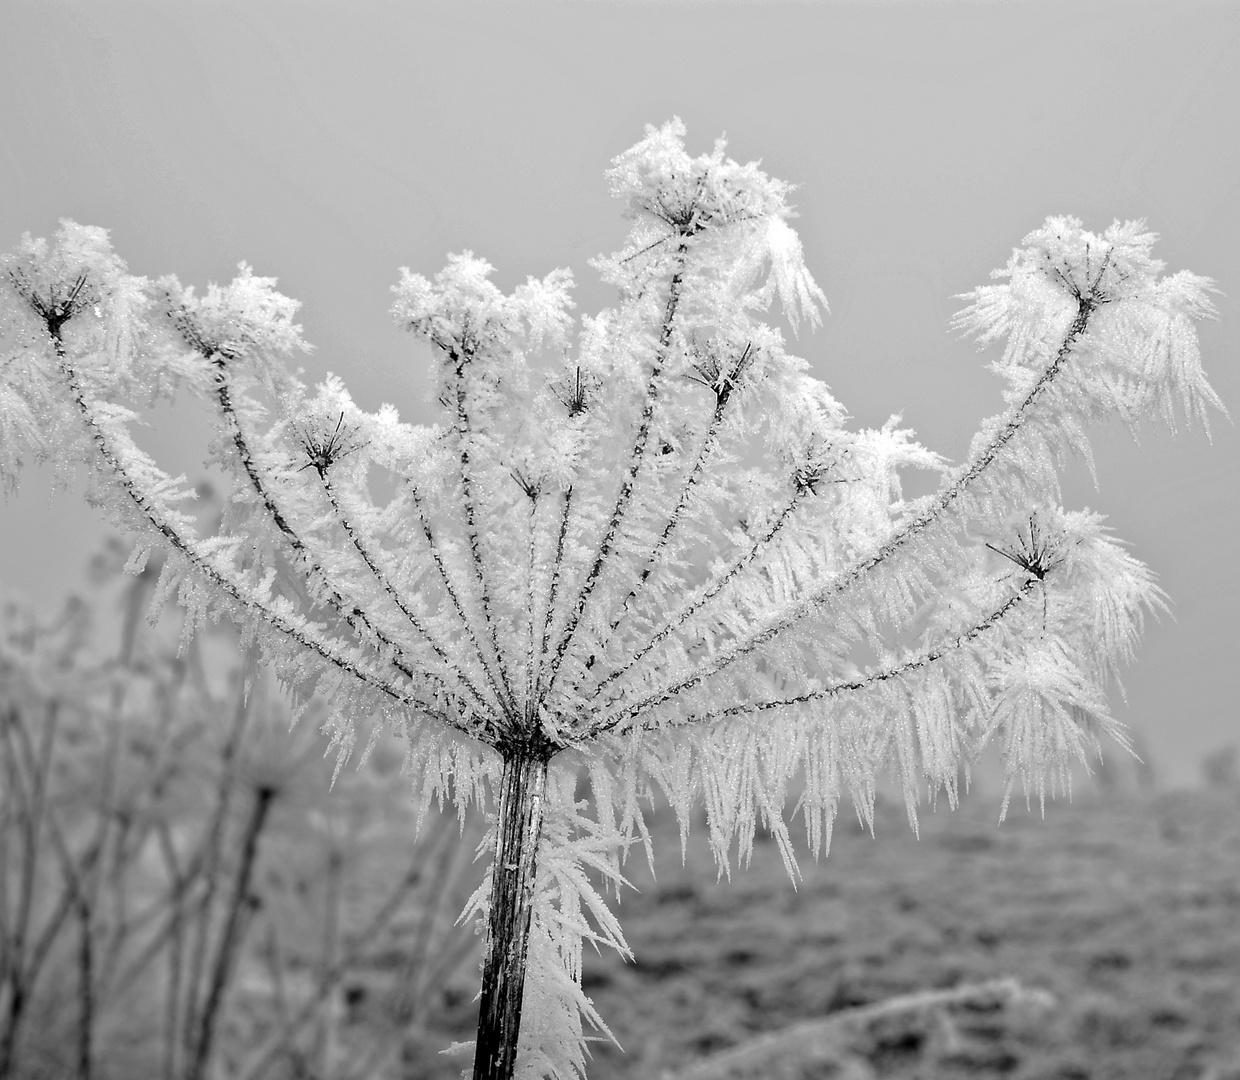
{"points": [[181, 896]]}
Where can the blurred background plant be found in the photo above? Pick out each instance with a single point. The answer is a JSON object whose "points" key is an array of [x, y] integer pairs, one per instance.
{"points": [[183, 893]]}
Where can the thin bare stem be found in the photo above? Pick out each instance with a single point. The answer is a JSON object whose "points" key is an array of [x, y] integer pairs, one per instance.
{"points": [[64, 907], [262, 1059], [212, 848], [174, 931], [34, 805], [76, 898], [230, 942], [86, 967], [14, 942], [174, 902], [273, 953], [331, 931]]}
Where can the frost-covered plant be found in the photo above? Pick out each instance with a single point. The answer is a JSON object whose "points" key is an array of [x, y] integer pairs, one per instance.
{"points": [[654, 550]]}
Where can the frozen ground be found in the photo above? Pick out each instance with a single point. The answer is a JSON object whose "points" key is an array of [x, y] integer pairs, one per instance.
{"points": [[1127, 909]]}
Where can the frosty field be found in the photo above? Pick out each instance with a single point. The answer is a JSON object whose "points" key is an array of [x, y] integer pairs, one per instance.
{"points": [[1126, 908]]}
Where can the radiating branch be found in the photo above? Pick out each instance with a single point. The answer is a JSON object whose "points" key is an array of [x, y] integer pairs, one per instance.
{"points": [[384, 581], [462, 428], [437, 557], [357, 619], [636, 457], [722, 383], [798, 611], [918, 661], [677, 621], [557, 567], [204, 565]]}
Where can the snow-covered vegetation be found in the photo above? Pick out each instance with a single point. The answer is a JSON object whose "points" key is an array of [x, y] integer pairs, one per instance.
{"points": [[648, 550]]}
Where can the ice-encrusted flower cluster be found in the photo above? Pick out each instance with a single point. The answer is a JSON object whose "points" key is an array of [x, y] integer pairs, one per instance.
{"points": [[649, 547]]}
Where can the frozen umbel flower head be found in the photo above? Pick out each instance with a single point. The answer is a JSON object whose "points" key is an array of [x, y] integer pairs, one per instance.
{"points": [[649, 550]]}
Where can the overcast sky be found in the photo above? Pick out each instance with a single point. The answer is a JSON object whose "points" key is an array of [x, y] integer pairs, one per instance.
{"points": [[330, 143]]}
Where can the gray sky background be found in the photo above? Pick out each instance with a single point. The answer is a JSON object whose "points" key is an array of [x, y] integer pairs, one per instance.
{"points": [[330, 143]]}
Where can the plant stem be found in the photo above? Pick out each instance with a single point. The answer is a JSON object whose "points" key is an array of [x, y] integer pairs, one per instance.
{"points": [[233, 931], [522, 793], [86, 978]]}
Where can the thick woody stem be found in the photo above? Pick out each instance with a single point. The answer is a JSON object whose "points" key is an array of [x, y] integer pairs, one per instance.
{"points": [[521, 803]]}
